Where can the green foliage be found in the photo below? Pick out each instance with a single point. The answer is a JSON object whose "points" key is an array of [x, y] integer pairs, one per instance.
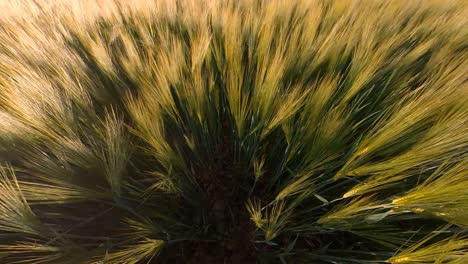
{"points": [[245, 131]]}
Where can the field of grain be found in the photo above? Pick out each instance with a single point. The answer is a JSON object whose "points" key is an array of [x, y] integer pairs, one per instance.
{"points": [[250, 131]]}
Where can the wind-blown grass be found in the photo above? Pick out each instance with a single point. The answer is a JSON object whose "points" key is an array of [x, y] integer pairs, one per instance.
{"points": [[244, 131]]}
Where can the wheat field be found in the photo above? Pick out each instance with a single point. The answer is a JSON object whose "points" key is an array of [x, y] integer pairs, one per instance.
{"points": [[250, 131]]}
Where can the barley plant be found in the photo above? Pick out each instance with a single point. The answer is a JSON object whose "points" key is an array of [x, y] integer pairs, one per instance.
{"points": [[233, 131]]}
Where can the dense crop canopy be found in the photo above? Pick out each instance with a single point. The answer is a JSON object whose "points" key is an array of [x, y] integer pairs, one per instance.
{"points": [[250, 131]]}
